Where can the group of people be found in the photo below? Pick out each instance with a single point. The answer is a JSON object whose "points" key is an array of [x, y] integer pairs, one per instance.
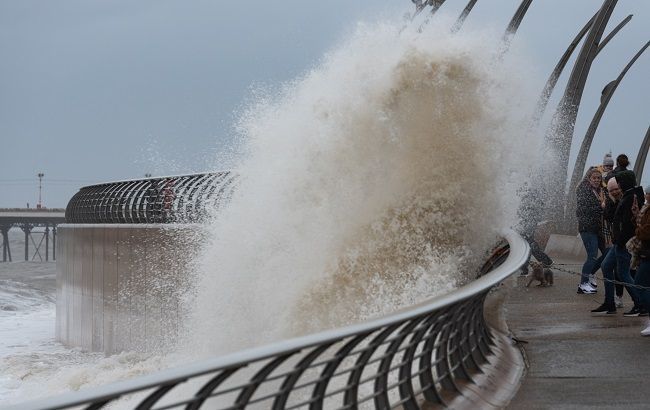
{"points": [[613, 220]]}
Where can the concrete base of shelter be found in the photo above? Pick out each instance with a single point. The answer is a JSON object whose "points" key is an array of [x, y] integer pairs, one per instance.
{"points": [[121, 287]]}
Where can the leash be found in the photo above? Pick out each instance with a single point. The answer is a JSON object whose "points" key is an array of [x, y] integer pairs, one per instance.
{"points": [[557, 266]]}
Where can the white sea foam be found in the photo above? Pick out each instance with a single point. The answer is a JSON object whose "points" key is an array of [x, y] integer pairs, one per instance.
{"points": [[32, 363]]}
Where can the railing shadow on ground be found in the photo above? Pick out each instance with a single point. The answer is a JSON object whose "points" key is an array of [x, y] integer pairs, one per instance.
{"points": [[436, 354]]}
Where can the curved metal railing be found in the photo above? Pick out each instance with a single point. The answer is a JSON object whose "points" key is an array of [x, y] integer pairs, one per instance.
{"points": [[429, 353], [173, 199]]}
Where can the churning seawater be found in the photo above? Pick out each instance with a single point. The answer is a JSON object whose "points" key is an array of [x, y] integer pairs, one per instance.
{"points": [[377, 179]]}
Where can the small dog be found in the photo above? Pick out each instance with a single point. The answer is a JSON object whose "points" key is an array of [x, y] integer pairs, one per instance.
{"points": [[541, 274]]}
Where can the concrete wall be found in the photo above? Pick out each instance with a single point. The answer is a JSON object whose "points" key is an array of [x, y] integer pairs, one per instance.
{"points": [[121, 287]]}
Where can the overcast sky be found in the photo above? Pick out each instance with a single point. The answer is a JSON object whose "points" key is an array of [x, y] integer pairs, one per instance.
{"points": [[94, 91]]}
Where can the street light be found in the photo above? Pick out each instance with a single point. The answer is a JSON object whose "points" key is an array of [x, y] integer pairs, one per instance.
{"points": [[40, 186]]}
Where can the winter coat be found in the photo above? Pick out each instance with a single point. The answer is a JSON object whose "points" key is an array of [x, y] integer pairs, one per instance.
{"points": [[588, 209], [624, 220], [610, 209]]}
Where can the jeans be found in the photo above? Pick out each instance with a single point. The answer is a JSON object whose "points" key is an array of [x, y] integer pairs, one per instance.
{"points": [[592, 263], [537, 252], [642, 278], [618, 257], [603, 251]]}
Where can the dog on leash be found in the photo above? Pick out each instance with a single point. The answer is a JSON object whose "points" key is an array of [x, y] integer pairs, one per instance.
{"points": [[541, 274]]}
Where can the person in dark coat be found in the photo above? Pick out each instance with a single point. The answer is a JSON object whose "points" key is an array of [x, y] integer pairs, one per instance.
{"points": [[623, 227], [612, 198], [589, 211]]}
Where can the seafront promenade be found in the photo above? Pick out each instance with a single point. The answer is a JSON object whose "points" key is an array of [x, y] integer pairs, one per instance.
{"points": [[575, 360]]}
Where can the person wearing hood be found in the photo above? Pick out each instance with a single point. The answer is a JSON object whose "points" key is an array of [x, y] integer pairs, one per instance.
{"points": [[623, 227]]}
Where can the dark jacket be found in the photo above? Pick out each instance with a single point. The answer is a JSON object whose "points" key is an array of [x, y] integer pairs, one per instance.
{"points": [[642, 233], [624, 221], [588, 209], [610, 209]]}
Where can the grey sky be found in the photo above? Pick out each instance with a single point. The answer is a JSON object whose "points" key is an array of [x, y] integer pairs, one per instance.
{"points": [[104, 90]]}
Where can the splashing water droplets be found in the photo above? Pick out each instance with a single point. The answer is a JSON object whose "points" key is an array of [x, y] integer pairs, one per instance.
{"points": [[371, 183], [376, 180]]}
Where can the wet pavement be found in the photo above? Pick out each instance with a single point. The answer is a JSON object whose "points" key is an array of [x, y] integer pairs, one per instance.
{"points": [[576, 360]]}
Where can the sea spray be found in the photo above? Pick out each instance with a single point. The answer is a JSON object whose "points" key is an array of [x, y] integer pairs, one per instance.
{"points": [[376, 180]]}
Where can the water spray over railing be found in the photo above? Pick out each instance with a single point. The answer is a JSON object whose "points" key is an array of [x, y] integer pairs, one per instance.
{"points": [[440, 352], [172, 199]]}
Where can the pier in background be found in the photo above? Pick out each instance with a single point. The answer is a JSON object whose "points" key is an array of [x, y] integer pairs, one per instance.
{"points": [[27, 219]]}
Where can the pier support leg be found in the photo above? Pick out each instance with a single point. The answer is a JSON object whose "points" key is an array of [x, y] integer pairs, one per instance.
{"points": [[53, 242], [6, 250], [27, 228], [47, 243]]}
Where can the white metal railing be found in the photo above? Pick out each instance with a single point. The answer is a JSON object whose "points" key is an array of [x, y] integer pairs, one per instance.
{"points": [[425, 354]]}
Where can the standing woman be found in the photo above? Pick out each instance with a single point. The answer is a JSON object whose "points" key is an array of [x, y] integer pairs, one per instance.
{"points": [[589, 211]]}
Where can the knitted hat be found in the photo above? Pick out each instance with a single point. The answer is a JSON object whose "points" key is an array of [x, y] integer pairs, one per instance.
{"points": [[608, 159]]}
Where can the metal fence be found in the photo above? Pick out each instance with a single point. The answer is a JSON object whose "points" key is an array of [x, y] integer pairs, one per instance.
{"points": [[428, 355], [174, 199]]}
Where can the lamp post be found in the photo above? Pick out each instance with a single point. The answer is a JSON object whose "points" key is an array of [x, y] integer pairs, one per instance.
{"points": [[40, 186]]}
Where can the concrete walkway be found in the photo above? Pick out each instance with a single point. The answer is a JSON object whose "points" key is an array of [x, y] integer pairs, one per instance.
{"points": [[576, 360]]}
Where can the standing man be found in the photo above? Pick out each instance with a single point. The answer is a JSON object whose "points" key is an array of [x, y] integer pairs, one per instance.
{"points": [[623, 227]]}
